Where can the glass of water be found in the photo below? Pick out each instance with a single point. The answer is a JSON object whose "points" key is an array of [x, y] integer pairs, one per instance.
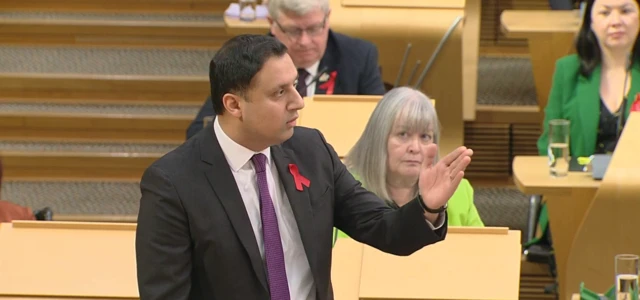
{"points": [[558, 149], [627, 267]]}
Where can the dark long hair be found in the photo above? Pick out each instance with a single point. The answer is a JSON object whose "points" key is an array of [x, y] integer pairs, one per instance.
{"points": [[588, 48]]}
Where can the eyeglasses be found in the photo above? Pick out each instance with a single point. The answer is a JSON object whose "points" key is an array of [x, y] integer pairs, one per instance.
{"points": [[296, 33]]}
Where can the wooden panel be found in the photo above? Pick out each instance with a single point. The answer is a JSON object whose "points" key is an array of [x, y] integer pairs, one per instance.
{"points": [[406, 3], [95, 127], [491, 11], [496, 144], [154, 34], [191, 89], [81, 259], [75, 164], [146, 6]]}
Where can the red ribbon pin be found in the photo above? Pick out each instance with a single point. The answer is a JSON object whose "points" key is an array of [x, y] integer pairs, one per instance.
{"points": [[635, 106], [297, 178], [329, 85]]}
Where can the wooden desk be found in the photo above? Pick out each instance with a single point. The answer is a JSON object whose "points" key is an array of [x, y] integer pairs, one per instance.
{"points": [[471, 263], [550, 35], [567, 199], [346, 267], [590, 220], [609, 225], [83, 260], [234, 26]]}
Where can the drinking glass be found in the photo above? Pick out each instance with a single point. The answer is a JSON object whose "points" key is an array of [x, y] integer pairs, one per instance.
{"points": [[558, 149], [626, 276]]}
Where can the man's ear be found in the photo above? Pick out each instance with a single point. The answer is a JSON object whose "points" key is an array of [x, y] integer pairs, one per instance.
{"points": [[328, 18], [232, 104]]}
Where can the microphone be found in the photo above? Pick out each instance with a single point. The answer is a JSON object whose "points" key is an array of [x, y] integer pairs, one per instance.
{"points": [[317, 77]]}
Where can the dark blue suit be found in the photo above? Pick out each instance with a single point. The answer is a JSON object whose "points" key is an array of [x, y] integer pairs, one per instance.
{"points": [[354, 60]]}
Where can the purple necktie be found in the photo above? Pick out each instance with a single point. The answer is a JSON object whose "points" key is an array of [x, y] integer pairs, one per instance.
{"points": [[302, 82], [274, 255]]}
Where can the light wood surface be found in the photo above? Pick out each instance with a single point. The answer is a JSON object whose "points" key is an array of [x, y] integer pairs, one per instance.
{"points": [[405, 3], [35, 164], [550, 36], [611, 221], [234, 26], [455, 268], [73, 259], [567, 200], [113, 33], [346, 267], [190, 89], [139, 6], [340, 118], [97, 261], [94, 126], [525, 23]]}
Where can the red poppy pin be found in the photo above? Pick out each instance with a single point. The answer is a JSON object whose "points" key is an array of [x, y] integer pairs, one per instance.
{"points": [[636, 104], [298, 178], [330, 82]]}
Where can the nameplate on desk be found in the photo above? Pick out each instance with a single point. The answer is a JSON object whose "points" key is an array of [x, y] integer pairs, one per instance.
{"points": [[406, 3]]}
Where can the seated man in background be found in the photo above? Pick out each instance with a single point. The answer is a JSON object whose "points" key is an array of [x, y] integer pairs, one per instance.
{"points": [[387, 159], [10, 211], [327, 62]]}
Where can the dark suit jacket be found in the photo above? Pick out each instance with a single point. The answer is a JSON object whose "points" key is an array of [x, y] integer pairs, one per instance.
{"points": [[356, 63], [194, 239]]}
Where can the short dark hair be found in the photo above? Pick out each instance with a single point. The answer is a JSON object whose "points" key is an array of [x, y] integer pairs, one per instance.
{"points": [[234, 66], [588, 48]]}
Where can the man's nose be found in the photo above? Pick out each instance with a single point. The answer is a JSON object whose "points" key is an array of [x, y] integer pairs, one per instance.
{"points": [[304, 38]]}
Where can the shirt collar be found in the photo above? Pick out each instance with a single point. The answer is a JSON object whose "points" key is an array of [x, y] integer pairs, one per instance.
{"points": [[237, 155], [313, 70]]}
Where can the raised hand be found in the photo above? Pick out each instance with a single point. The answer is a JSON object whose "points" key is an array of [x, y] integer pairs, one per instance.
{"points": [[438, 182]]}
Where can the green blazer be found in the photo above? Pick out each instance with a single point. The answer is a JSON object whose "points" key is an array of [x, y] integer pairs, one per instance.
{"points": [[461, 211], [577, 98]]}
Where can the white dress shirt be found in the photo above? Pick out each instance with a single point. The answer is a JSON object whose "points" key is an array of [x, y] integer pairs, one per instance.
{"points": [[301, 284], [313, 71]]}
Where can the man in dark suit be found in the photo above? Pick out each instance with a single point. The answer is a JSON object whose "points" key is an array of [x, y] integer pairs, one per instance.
{"points": [[328, 62], [246, 208]]}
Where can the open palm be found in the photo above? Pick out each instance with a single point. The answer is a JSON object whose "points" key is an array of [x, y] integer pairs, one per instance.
{"points": [[438, 182]]}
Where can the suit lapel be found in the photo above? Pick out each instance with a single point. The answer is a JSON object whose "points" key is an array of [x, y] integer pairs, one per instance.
{"points": [[225, 187], [299, 200], [588, 97], [330, 60]]}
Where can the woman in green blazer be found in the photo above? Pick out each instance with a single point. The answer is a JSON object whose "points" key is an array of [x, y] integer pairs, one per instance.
{"points": [[595, 88], [387, 158]]}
